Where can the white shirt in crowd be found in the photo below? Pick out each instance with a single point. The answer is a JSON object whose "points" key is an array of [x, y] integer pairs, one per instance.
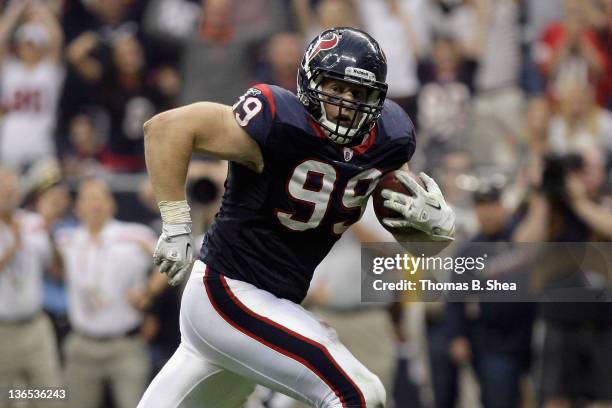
{"points": [[501, 55], [595, 132], [389, 31], [29, 99], [101, 273], [21, 293]]}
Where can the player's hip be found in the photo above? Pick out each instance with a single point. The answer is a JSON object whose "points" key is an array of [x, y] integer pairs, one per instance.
{"points": [[218, 306], [249, 331]]}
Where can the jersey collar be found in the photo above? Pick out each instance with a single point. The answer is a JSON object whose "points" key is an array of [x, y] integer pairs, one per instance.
{"points": [[361, 148], [366, 143]]}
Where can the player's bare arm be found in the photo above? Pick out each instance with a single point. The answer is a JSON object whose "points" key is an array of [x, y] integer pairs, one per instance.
{"points": [[172, 136], [8, 21], [170, 139]]}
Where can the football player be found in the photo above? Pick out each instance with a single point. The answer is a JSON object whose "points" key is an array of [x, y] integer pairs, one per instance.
{"points": [[301, 171]]}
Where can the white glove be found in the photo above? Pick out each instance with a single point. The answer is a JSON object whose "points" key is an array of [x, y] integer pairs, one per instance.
{"points": [[174, 252], [427, 211]]}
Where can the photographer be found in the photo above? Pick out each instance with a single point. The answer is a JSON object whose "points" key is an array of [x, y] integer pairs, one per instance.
{"points": [[583, 193], [576, 353]]}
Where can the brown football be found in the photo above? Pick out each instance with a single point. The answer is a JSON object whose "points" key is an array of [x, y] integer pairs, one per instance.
{"points": [[389, 181]]}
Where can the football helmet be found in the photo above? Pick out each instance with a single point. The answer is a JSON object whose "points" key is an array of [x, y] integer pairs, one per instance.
{"points": [[349, 55]]}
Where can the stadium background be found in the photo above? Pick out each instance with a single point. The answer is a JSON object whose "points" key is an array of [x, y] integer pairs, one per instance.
{"points": [[493, 86]]}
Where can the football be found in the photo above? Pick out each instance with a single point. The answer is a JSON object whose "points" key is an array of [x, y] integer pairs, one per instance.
{"points": [[389, 181]]}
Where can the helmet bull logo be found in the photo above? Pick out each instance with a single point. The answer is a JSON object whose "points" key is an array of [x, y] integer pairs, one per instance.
{"points": [[323, 44]]}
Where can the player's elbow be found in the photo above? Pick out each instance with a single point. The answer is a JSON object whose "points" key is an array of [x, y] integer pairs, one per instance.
{"points": [[162, 125], [179, 122], [148, 129], [151, 126]]}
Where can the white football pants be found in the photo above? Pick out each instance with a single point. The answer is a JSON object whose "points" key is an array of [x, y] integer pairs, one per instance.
{"points": [[235, 335]]}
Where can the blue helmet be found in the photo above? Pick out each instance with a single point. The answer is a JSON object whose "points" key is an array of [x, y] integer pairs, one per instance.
{"points": [[349, 55]]}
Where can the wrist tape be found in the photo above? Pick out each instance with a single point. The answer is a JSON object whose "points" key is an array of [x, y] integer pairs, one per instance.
{"points": [[175, 212]]}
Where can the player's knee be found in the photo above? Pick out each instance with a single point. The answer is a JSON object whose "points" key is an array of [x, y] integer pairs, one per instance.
{"points": [[371, 391], [374, 392]]}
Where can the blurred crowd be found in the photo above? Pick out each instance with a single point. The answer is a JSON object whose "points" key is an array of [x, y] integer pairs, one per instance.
{"points": [[512, 103]]}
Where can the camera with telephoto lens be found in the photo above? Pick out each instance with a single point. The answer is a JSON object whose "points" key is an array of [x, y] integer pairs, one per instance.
{"points": [[202, 191], [556, 169]]}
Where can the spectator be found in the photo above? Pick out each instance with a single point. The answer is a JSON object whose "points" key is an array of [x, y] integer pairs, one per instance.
{"points": [[171, 22], [496, 339], [534, 145], [284, 53], [464, 20], [128, 93], [539, 14], [117, 77], [575, 359], [327, 14], [569, 49], [444, 102], [160, 327], [28, 350], [498, 96], [398, 26], [31, 80], [604, 33], [585, 195], [537, 119], [87, 146], [217, 59], [106, 262], [444, 372], [130, 96], [90, 29], [580, 121], [534, 141], [447, 73], [106, 18], [50, 198]]}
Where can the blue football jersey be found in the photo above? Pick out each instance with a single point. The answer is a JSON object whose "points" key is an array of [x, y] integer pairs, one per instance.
{"points": [[275, 227]]}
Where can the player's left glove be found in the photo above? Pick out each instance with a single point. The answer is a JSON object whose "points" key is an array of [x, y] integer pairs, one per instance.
{"points": [[174, 252], [427, 211]]}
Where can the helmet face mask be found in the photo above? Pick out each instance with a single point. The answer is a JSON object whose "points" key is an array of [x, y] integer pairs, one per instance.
{"points": [[351, 57]]}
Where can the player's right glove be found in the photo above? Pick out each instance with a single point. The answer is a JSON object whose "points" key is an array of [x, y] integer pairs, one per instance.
{"points": [[174, 252]]}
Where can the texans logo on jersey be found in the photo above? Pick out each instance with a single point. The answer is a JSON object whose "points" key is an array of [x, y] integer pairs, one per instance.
{"points": [[325, 43], [253, 92], [348, 154]]}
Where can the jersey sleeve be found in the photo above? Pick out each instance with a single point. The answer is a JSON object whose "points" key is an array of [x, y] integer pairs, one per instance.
{"points": [[399, 125], [410, 143], [255, 112]]}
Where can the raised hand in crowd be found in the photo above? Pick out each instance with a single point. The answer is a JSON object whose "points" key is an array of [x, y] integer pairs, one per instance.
{"points": [[78, 54]]}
